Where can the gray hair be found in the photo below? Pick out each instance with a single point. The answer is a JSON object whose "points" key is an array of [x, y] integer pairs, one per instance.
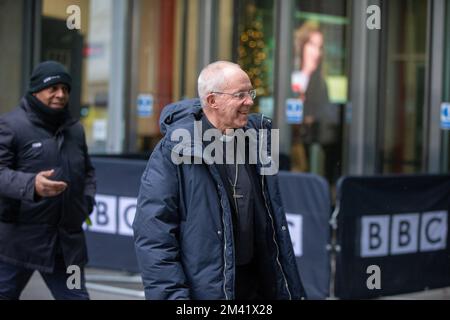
{"points": [[214, 78]]}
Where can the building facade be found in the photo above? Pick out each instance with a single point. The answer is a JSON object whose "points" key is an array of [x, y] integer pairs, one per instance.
{"points": [[370, 102]]}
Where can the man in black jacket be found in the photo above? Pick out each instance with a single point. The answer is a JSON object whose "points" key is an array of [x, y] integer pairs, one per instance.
{"points": [[47, 189]]}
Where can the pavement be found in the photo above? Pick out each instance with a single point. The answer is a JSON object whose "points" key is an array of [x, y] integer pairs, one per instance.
{"points": [[101, 284], [435, 294], [113, 285]]}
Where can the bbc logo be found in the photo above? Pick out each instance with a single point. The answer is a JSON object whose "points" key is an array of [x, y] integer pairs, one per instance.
{"points": [[397, 234], [113, 215]]}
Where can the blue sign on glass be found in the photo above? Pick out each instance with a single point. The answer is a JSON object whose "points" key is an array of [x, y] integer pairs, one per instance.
{"points": [[294, 111], [145, 105], [445, 116]]}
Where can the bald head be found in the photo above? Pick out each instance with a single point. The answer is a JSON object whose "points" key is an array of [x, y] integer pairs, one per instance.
{"points": [[226, 94], [216, 77]]}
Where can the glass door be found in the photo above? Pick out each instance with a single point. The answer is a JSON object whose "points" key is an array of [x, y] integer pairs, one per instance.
{"points": [[87, 53], [163, 65], [11, 28], [445, 161], [403, 100], [318, 86]]}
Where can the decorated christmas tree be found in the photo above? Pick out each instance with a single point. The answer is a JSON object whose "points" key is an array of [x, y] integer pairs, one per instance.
{"points": [[252, 51]]}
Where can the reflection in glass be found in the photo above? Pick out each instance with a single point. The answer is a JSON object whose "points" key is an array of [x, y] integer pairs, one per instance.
{"points": [[319, 87], [87, 55], [255, 50]]}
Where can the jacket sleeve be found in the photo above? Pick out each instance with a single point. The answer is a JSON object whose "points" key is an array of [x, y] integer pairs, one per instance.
{"points": [[156, 229], [13, 184]]}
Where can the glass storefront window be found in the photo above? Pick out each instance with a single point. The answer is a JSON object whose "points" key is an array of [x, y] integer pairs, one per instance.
{"points": [[445, 160], [319, 86], [11, 58], [403, 100], [164, 64], [255, 49], [87, 55]]}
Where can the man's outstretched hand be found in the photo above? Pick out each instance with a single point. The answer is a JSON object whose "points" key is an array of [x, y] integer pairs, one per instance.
{"points": [[44, 187]]}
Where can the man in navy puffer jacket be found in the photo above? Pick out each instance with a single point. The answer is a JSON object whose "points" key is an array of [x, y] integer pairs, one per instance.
{"points": [[207, 228]]}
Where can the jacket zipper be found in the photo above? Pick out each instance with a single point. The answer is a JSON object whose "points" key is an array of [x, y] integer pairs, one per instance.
{"points": [[224, 253], [273, 226], [275, 241]]}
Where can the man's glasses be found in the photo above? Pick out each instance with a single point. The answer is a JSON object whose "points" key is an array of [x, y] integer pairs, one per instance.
{"points": [[240, 95]]}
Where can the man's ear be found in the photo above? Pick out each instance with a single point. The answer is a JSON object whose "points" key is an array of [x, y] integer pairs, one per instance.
{"points": [[211, 100]]}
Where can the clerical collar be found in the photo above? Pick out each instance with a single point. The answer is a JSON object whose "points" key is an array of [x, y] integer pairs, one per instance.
{"points": [[208, 125]]}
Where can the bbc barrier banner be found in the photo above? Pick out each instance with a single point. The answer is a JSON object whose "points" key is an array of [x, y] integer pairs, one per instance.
{"points": [[307, 203], [110, 237], [392, 235]]}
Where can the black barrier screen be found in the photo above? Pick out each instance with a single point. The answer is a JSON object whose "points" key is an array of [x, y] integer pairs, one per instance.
{"points": [[110, 238], [307, 203], [393, 235]]}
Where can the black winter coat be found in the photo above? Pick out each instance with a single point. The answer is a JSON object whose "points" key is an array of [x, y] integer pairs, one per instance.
{"points": [[33, 230]]}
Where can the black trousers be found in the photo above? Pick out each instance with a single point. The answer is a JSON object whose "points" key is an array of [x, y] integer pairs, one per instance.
{"points": [[13, 280]]}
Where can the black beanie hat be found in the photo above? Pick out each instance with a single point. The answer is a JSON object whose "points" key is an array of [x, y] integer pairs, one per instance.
{"points": [[48, 73]]}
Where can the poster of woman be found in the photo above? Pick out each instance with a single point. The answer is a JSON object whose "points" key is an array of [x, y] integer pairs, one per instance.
{"points": [[315, 132]]}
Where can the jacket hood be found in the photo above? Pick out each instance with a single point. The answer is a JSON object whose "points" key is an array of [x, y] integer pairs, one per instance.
{"points": [[173, 114]]}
